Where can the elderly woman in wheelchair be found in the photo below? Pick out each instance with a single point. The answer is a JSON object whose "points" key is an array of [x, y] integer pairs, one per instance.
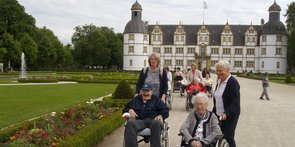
{"points": [[144, 111], [201, 128]]}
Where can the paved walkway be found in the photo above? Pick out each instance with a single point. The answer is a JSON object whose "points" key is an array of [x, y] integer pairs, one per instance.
{"points": [[261, 124]]}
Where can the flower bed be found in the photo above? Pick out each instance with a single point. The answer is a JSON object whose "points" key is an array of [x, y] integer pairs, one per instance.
{"points": [[54, 128]]}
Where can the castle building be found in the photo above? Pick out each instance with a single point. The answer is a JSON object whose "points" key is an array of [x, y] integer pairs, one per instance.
{"points": [[256, 48]]}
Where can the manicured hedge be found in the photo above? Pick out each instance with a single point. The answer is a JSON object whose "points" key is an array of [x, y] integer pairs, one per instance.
{"points": [[38, 80], [91, 135]]}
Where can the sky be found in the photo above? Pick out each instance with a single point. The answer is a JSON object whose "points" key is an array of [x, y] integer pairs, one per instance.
{"points": [[62, 16]]}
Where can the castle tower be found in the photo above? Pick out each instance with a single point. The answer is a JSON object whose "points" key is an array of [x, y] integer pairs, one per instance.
{"points": [[136, 41], [273, 43]]}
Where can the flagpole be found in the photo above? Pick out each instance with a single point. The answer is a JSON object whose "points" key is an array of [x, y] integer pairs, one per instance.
{"points": [[203, 10]]}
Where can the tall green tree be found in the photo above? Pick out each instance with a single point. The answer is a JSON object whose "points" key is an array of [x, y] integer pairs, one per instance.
{"points": [[3, 52], [90, 46], [13, 50], [15, 20], [30, 48], [291, 31]]}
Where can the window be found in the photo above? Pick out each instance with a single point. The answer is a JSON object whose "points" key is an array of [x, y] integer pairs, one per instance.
{"points": [[203, 51], [238, 51], [214, 50], [191, 50], [263, 51], [279, 38], [179, 62], [200, 39], [157, 49], [238, 64], [226, 51], [263, 38], [278, 65], [253, 39], [168, 50], [179, 50], [131, 37], [130, 62], [248, 39], [224, 39], [278, 51], [145, 49], [213, 62], [154, 37], [229, 39], [262, 64], [145, 38], [250, 51], [182, 38], [250, 64], [167, 62], [131, 49], [189, 62]]}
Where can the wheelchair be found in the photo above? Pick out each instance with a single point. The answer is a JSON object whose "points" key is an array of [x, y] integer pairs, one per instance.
{"points": [[169, 100], [188, 101], [145, 135], [221, 142], [209, 90], [177, 85]]}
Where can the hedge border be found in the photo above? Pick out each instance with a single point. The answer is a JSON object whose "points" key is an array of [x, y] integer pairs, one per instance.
{"points": [[93, 134]]}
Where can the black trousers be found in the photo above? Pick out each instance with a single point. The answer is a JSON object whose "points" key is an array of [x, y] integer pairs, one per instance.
{"points": [[228, 128]]}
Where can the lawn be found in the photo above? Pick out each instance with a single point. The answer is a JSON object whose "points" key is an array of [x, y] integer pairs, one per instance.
{"points": [[19, 103]]}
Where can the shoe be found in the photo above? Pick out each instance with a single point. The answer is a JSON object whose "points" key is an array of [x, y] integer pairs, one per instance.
{"points": [[261, 98], [267, 99]]}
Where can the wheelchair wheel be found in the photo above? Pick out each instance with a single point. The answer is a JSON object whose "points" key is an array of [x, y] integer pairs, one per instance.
{"points": [[187, 107], [165, 136], [222, 143]]}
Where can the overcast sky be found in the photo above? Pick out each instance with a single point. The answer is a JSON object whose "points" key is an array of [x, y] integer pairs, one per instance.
{"points": [[62, 16]]}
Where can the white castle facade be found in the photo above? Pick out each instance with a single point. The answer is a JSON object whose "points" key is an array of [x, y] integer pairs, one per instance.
{"points": [[256, 48]]}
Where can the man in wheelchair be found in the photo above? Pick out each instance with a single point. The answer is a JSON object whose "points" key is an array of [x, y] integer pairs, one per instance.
{"points": [[144, 111], [201, 128]]}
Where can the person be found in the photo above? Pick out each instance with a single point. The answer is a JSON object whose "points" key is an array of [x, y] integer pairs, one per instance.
{"points": [[201, 128], [205, 72], [194, 72], [265, 85], [154, 76], [178, 74], [193, 89], [208, 82], [144, 111], [169, 77], [227, 101]]}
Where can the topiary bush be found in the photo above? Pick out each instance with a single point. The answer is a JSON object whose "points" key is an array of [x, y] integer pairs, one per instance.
{"points": [[288, 79], [123, 91]]}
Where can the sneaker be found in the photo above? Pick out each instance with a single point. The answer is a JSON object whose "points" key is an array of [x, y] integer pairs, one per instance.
{"points": [[267, 98], [261, 98]]}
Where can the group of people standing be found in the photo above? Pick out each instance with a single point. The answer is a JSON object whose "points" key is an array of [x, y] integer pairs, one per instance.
{"points": [[148, 109]]}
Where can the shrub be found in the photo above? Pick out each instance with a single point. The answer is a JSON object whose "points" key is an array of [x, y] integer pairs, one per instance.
{"points": [[288, 79], [123, 91]]}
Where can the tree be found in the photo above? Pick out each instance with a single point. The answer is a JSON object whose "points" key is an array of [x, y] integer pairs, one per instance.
{"points": [[29, 47], [13, 50], [90, 46], [14, 20], [3, 52], [291, 31]]}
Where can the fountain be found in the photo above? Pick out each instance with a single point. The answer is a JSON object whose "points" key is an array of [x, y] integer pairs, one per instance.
{"points": [[23, 72]]}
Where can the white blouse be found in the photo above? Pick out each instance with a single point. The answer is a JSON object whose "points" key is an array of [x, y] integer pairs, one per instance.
{"points": [[218, 95]]}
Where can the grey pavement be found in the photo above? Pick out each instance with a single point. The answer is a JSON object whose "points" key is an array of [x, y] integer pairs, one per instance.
{"points": [[262, 123]]}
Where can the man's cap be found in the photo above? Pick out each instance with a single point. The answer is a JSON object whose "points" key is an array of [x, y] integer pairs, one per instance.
{"points": [[146, 87]]}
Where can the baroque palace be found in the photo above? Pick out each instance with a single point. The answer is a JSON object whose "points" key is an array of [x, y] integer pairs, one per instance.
{"points": [[256, 48]]}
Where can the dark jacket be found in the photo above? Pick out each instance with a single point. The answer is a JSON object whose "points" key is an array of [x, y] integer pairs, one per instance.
{"points": [[150, 109], [162, 77], [231, 98]]}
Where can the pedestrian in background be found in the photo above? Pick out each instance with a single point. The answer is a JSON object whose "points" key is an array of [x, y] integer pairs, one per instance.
{"points": [[265, 85]]}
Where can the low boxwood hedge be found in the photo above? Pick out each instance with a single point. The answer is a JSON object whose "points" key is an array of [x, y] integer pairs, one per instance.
{"points": [[91, 135], [38, 80]]}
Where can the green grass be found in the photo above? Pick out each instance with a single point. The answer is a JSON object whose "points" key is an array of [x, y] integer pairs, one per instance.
{"points": [[19, 103]]}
